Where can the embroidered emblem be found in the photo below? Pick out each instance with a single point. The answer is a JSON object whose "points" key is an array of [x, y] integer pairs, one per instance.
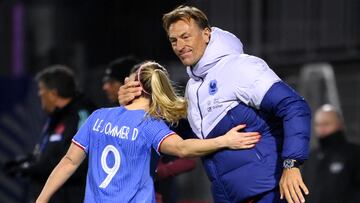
{"points": [[213, 87]]}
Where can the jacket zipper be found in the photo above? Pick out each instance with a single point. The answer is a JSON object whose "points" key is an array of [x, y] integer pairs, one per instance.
{"points": [[198, 104]]}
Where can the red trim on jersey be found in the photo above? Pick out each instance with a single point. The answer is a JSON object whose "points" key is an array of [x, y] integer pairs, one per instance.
{"points": [[162, 140], [78, 144]]}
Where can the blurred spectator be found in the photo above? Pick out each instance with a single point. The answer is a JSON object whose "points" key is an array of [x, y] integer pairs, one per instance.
{"points": [[333, 170], [114, 76], [67, 109]]}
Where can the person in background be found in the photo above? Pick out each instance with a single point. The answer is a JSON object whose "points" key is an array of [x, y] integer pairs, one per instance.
{"points": [[333, 170], [67, 109], [166, 167], [114, 75]]}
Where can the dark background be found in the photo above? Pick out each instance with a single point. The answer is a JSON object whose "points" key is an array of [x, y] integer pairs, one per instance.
{"points": [[312, 44]]}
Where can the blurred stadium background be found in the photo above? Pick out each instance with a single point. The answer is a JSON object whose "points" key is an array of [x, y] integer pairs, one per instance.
{"points": [[312, 44]]}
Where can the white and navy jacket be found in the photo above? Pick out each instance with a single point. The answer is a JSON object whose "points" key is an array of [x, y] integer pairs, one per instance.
{"points": [[227, 88]]}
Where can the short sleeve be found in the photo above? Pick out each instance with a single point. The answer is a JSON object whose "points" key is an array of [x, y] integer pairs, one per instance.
{"points": [[157, 131], [82, 137]]}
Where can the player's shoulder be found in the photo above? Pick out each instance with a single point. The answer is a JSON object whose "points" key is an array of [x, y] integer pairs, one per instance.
{"points": [[152, 122], [103, 112]]}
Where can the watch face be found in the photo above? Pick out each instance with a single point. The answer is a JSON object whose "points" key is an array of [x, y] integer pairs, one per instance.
{"points": [[288, 163]]}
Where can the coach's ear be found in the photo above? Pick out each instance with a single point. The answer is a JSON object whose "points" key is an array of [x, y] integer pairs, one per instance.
{"points": [[206, 35]]}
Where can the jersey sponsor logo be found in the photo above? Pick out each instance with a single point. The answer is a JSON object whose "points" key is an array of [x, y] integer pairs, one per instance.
{"points": [[213, 104], [122, 132], [213, 87]]}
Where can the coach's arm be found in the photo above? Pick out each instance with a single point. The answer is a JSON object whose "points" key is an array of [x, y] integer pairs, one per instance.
{"points": [[283, 102], [258, 86]]}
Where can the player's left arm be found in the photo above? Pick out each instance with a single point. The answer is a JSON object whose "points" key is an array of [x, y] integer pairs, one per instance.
{"points": [[283, 102], [62, 172]]}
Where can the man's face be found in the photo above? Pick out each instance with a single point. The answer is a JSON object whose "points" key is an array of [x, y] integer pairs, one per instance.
{"points": [[111, 88], [47, 97], [326, 123], [188, 41]]}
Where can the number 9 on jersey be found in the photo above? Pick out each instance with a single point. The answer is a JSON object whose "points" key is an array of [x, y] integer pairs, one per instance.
{"points": [[109, 171]]}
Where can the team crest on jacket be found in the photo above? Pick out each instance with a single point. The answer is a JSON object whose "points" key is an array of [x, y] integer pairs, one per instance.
{"points": [[213, 87]]}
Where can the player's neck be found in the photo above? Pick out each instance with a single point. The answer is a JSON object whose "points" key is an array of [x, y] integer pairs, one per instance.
{"points": [[139, 103]]}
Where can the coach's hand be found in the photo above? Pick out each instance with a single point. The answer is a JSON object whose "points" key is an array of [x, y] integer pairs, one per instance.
{"points": [[129, 91], [292, 186], [241, 140]]}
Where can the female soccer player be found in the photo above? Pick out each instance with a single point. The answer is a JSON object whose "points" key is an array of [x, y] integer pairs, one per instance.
{"points": [[118, 142]]}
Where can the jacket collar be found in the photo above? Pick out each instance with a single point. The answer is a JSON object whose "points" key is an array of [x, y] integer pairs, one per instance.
{"points": [[222, 43]]}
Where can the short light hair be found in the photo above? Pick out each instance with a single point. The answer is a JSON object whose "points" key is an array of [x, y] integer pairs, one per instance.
{"points": [[332, 109], [185, 13]]}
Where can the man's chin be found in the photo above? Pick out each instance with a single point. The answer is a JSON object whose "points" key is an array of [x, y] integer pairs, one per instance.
{"points": [[186, 63]]}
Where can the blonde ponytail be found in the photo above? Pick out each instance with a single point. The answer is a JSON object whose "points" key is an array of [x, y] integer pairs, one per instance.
{"points": [[165, 102]]}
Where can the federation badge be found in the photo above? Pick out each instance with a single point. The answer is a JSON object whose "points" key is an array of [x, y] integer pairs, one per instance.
{"points": [[213, 87]]}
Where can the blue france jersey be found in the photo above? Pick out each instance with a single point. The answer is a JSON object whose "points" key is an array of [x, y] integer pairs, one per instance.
{"points": [[118, 143]]}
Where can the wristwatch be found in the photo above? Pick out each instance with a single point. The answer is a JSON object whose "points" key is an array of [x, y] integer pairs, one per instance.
{"points": [[291, 163]]}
